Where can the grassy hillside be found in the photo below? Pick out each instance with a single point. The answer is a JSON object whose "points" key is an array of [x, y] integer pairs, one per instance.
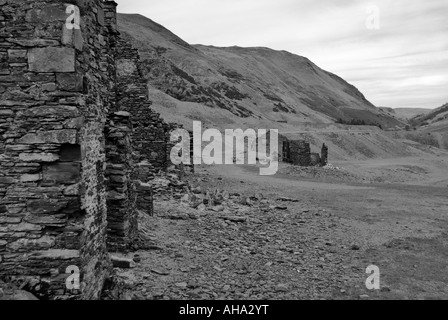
{"points": [[260, 88], [255, 83]]}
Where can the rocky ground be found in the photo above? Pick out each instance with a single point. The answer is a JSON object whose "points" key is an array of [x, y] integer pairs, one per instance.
{"points": [[229, 233], [238, 235], [262, 249]]}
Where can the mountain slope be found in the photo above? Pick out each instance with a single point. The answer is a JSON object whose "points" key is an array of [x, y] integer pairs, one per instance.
{"points": [[439, 115], [406, 113], [434, 124], [247, 83]]}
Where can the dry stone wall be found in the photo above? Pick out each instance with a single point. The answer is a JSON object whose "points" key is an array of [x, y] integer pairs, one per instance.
{"points": [[324, 155], [298, 152], [78, 142], [54, 89]]}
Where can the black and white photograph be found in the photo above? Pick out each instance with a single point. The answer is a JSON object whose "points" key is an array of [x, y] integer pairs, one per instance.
{"points": [[218, 158]]}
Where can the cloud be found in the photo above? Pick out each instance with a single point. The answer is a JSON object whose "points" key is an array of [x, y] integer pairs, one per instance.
{"points": [[403, 64]]}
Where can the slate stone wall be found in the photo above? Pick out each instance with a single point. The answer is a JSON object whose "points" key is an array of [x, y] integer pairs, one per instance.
{"points": [[324, 155], [78, 144], [300, 153], [54, 100]]}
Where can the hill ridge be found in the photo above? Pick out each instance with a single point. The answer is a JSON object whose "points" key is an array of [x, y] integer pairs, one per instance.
{"points": [[253, 82]]}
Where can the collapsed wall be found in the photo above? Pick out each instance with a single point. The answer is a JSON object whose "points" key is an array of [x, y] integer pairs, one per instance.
{"points": [[300, 153], [324, 155], [150, 133]]}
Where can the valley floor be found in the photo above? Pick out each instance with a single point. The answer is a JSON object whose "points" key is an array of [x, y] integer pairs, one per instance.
{"points": [[311, 236]]}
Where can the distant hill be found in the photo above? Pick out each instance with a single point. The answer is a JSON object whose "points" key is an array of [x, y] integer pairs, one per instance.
{"points": [[436, 116], [409, 113], [433, 124], [246, 85]]}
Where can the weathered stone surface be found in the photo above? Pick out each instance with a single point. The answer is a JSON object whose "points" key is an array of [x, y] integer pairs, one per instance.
{"points": [[72, 190], [70, 81], [33, 42], [6, 113], [44, 242], [30, 177], [50, 111], [47, 14], [24, 227], [120, 262], [44, 206], [55, 136], [100, 17], [51, 59], [75, 123], [122, 114], [49, 87], [21, 295], [67, 129], [14, 54], [39, 157], [7, 180], [57, 254], [62, 173], [125, 67], [11, 220], [55, 220]]}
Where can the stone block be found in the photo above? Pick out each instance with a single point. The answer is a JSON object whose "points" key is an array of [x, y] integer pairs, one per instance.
{"points": [[51, 59], [7, 180], [125, 67], [70, 82], [57, 254], [45, 206], [14, 55], [75, 123], [47, 14], [50, 111], [30, 177], [124, 114], [100, 17], [115, 196], [34, 42], [38, 157], [49, 87], [10, 220], [56, 137], [62, 173], [55, 220], [24, 227], [72, 190], [41, 243], [121, 262]]}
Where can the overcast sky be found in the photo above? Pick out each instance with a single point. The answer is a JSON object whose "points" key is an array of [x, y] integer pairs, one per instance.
{"points": [[404, 63]]}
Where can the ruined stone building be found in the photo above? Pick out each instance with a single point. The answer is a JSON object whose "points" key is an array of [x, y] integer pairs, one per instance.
{"points": [[298, 153], [77, 143]]}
